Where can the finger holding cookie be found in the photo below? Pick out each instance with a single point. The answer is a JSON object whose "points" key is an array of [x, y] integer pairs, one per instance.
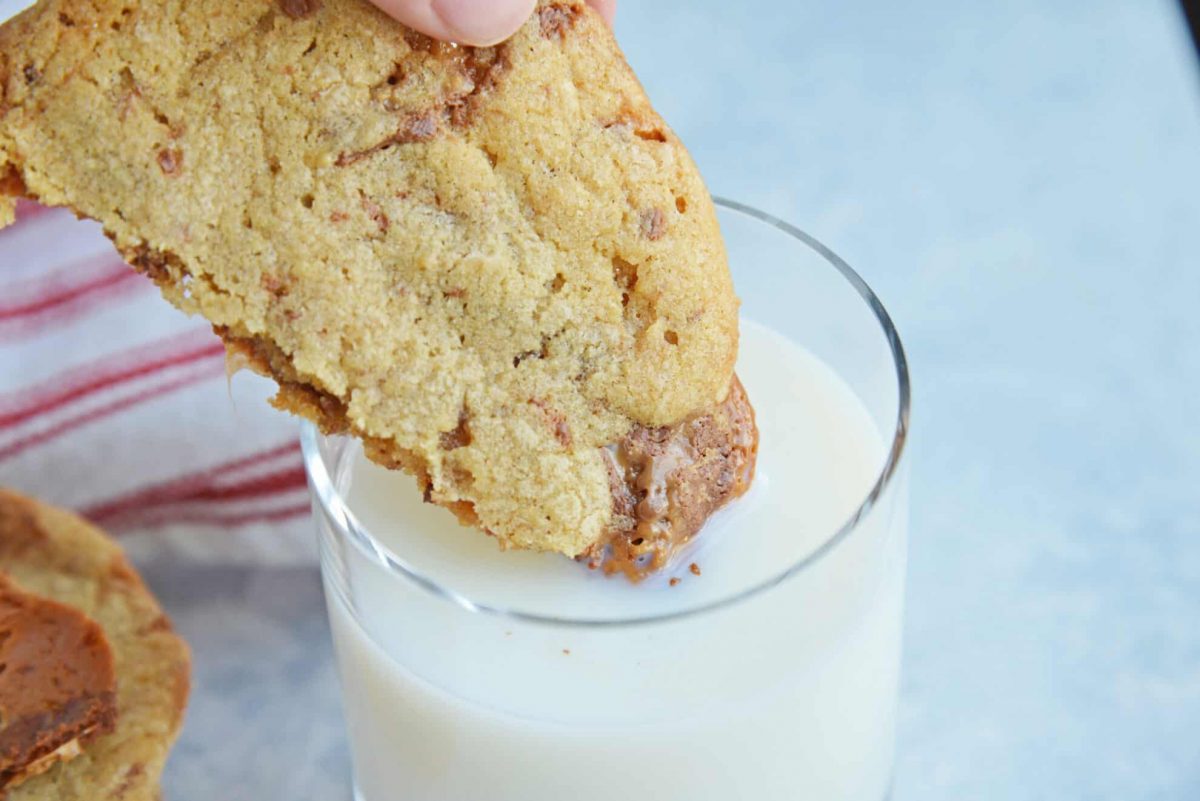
{"points": [[473, 22]]}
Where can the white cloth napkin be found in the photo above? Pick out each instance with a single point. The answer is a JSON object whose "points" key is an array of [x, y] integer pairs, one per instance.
{"points": [[115, 404]]}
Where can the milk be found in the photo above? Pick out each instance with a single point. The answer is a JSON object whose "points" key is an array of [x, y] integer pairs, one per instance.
{"points": [[786, 694]]}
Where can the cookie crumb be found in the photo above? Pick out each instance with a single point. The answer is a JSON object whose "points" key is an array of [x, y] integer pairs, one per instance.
{"points": [[566, 652], [674, 581]]}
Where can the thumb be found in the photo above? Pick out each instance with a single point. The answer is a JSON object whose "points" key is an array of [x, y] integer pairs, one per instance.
{"points": [[472, 22]]}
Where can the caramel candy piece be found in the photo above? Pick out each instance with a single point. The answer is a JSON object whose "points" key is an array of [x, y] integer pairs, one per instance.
{"points": [[57, 684]]}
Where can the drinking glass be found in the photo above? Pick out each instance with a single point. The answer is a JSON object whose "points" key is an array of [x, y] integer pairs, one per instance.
{"points": [[782, 689]]}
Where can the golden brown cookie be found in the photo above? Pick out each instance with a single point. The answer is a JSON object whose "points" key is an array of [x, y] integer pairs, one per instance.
{"points": [[54, 554], [489, 264]]}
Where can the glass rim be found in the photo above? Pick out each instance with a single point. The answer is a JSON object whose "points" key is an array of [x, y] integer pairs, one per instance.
{"points": [[335, 508]]}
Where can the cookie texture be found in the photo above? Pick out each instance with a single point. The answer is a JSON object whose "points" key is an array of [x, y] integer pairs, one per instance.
{"points": [[490, 264], [54, 554]]}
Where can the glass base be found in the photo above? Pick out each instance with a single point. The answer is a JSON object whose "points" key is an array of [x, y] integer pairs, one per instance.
{"points": [[886, 797]]}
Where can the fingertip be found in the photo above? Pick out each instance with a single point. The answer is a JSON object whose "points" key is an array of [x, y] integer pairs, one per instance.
{"points": [[471, 22], [606, 9], [481, 22]]}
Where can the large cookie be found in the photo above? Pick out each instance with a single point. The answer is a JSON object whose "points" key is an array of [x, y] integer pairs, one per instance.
{"points": [[56, 555], [490, 264]]}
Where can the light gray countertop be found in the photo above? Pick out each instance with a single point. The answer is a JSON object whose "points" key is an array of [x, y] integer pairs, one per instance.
{"points": [[1020, 182]]}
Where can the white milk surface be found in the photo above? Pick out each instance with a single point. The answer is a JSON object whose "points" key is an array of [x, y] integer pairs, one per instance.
{"points": [[787, 695]]}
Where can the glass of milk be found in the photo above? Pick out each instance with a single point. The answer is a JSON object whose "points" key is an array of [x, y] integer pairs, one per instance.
{"points": [[762, 664]]}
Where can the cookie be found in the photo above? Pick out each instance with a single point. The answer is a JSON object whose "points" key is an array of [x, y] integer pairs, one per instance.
{"points": [[492, 265], [53, 554], [58, 690]]}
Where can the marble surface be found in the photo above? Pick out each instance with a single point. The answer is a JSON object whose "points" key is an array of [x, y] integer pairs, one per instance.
{"points": [[1019, 181]]}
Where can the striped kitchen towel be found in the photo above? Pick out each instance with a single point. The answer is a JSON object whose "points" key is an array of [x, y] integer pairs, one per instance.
{"points": [[117, 405]]}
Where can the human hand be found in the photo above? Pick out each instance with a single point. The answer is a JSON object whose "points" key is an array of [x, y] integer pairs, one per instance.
{"points": [[473, 22]]}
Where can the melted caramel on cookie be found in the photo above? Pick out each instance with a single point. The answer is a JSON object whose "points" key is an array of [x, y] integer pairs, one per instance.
{"points": [[667, 481]]}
